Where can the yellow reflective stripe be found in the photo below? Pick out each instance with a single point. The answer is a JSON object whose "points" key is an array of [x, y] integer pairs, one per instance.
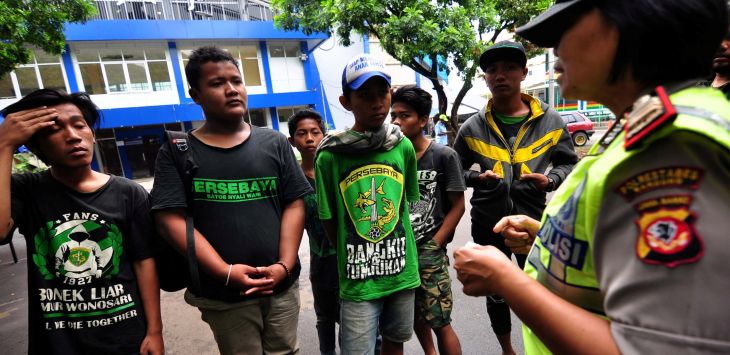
{"points": [[487, 150], [539, 147], [524, 169], [498, 169], [535, 112], [490, 120]]}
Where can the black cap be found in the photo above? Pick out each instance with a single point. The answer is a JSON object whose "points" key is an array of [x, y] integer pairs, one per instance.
{"points": [[504, 50], [546, 29]]}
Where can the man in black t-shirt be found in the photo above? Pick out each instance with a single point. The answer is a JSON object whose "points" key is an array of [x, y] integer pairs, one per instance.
{"points": [[434, 218], [92, 283], [248, 214]]}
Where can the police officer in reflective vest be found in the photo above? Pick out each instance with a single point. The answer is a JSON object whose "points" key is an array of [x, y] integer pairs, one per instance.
{"points": [[630, 254]]}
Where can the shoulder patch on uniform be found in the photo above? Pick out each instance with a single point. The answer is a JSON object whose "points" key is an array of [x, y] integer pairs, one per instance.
{"points": [[667, 235], [649, 113], [660, 178]]}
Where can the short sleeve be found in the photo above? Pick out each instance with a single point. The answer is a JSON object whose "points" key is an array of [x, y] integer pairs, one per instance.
{"points": [[411, 172], [141, 229], [20, 185], [294, 183], [168, 190], [325, 188], [452, 171]]}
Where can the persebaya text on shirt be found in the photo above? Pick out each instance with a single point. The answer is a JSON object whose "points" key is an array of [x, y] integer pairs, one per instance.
{"points": [[234, 190], [376, 242], [81, 250]]}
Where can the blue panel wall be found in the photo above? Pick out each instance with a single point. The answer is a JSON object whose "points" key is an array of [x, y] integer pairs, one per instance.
{"points": [[68, 66], [135, 30]]}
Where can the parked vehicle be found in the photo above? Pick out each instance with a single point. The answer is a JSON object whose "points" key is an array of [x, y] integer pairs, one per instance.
{"points": [[579, 127]]}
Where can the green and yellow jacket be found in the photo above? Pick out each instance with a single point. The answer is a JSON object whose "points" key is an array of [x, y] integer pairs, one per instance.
{"points": [[543, 140]]}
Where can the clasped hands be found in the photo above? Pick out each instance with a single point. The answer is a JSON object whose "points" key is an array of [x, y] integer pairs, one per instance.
{"points": [[256, 280]]}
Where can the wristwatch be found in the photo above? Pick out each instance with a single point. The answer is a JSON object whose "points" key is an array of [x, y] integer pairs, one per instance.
{"points": [[551, 185]]}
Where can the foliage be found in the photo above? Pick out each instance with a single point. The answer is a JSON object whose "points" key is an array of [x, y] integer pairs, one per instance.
{"points": [[27, 163], [413, 30], [37, 23]]}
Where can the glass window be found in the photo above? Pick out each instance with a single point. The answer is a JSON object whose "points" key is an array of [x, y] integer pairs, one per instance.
{"points": [[6, 88], [138, 76], [249, 51], [27, 80], [110, 55], [251, 73], [155, 54], [42, 57], [42, 71], [247, 56], [124, 70], [87, 55], [258, 117], [276, 51], [133, 54], [52, 77], [292, 50], [93, 79], [160, 76], [115, 77]]}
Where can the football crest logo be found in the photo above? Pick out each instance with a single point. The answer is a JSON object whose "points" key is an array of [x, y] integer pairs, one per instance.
{"points": [[372, 196], [666, 232]]}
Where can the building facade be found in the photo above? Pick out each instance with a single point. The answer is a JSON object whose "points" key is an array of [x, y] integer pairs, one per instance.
{"points": [[131, 57]]}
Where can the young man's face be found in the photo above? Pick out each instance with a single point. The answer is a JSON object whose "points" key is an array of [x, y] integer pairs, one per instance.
{"points": [[405, 117], [369, 104], [504, 78], [221, 93], [70, 141], [307, 136]]}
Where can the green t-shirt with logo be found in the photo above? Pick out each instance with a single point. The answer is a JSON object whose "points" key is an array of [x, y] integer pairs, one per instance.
{"points": [[367, 195]]}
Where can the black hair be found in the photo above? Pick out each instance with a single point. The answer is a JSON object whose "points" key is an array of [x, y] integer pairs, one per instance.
{"points": [[54, 97], [415, 97], [304, 114], [201, 56], [665, 41]]}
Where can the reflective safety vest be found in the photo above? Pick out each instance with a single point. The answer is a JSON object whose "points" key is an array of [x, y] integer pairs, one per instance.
{"points": [[562, 257]]}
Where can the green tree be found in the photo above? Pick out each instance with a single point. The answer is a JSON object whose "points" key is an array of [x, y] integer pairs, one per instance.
{"points": [[444, 31], [36, 23]]}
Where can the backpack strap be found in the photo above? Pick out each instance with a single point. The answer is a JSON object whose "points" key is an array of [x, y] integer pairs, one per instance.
{"points": [[179, 145]]}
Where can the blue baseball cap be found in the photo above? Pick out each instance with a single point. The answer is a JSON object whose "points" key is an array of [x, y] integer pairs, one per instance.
{"points": [[361, 68]]}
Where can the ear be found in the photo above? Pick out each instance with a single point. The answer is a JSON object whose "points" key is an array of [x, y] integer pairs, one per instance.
{"points": [[345, 103], [524, 72], [194, 95], [291, 141], [423, 121]]}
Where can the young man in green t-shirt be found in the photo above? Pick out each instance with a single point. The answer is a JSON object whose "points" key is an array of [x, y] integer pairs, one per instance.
{"points": [[365, 177]]}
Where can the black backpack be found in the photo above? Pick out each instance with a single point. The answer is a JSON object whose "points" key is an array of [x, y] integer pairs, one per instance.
{"points": [[174, 270]]}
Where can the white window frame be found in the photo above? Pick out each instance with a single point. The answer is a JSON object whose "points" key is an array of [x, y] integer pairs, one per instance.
{"points": [[14, 78], [298, 60], [129, 98], [191, 45]]}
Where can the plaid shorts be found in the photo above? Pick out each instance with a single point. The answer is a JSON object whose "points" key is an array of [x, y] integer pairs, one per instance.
{"points": [[434, 300]]}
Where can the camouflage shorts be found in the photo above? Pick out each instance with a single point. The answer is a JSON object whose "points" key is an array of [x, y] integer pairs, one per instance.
{"points": [[433, 298]]}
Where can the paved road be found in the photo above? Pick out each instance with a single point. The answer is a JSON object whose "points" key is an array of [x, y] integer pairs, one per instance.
{"points": [[185, 333]]}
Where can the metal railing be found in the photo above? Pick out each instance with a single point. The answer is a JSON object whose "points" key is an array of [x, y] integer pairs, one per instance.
{"points": [[235, 10]]}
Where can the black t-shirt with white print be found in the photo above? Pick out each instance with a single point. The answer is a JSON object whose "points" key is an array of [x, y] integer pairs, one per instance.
{"points": [[83, 295], [239, 194], [439, 172]]}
